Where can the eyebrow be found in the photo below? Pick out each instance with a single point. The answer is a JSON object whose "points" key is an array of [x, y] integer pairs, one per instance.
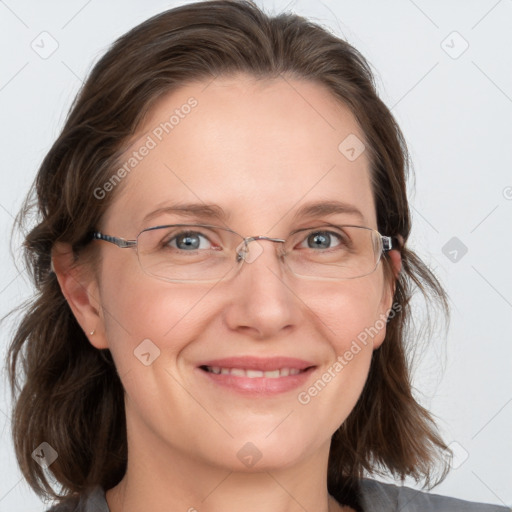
{"points": [[319, 208], [197, 210], [213, 211]]}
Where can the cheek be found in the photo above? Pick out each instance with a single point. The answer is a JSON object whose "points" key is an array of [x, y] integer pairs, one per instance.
{"points": [[145, 316], [350, 317], [149, 329], [353, 312]]}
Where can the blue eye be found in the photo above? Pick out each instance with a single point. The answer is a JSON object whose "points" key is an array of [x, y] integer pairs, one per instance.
{"points": [[190, 240], [322, 240]]}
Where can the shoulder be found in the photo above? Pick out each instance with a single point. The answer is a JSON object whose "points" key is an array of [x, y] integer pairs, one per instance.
{"points": [[92, 501], [380, 497]]}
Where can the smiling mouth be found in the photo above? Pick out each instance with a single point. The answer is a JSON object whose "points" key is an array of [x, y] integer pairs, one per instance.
{"points": [[254, 374]]}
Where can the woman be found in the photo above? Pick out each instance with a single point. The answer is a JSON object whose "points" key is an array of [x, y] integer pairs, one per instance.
{"points": [[224, 281]]}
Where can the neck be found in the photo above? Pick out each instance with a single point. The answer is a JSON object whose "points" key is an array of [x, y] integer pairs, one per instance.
{"points": [[163, 478]]}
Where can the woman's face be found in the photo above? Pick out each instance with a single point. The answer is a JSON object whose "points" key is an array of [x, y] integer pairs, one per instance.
{"points": [[260, 151]]}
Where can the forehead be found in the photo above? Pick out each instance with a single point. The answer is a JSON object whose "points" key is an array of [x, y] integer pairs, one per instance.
{"points": [[258, 148]]}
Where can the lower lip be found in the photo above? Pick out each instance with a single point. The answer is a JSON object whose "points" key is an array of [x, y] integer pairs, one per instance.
{"points": [[259, 385]]}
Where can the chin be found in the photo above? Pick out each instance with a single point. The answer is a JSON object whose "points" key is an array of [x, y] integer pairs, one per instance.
{"points": [[270, 452]]}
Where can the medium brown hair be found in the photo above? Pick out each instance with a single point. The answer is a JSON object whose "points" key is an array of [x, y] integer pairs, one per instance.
{"points": [[67, 393]]}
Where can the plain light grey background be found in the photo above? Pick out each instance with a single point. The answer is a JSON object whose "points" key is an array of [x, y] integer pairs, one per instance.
{"points": [[443, 67]]}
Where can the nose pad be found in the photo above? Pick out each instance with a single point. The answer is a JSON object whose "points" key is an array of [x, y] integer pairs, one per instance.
{"points": [[248, 254]]}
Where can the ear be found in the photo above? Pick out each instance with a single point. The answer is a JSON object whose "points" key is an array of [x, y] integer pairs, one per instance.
{"points": [[395, 264], [80, 288]]}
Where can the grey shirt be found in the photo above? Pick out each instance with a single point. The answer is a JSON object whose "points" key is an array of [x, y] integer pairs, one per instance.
{"points": [[376, 497]]}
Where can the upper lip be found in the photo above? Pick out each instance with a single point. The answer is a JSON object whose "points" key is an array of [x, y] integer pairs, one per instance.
{"points": [[259, 363]]}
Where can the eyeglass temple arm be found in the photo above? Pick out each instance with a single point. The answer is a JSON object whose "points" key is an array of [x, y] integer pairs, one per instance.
{"points": [[120, 242], [391, 242]]}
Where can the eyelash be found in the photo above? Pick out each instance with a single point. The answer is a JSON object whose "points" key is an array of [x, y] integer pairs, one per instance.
{"points": [[342, 239]]}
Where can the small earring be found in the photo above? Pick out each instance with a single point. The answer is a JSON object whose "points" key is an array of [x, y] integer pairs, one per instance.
{"points": [[92, 332]]}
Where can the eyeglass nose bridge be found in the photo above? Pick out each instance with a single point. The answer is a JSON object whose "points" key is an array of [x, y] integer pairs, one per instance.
{"points": [[243, 253]]}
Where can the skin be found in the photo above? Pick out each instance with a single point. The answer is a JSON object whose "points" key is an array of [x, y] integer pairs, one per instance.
{"points": [[260, 150]]}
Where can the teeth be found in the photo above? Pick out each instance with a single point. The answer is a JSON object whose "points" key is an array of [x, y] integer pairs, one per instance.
{"points": [[240, 372], [254, 373]]}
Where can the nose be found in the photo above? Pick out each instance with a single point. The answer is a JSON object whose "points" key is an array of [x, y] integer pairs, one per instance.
{"points": [[263, 303], [244, 250]]}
